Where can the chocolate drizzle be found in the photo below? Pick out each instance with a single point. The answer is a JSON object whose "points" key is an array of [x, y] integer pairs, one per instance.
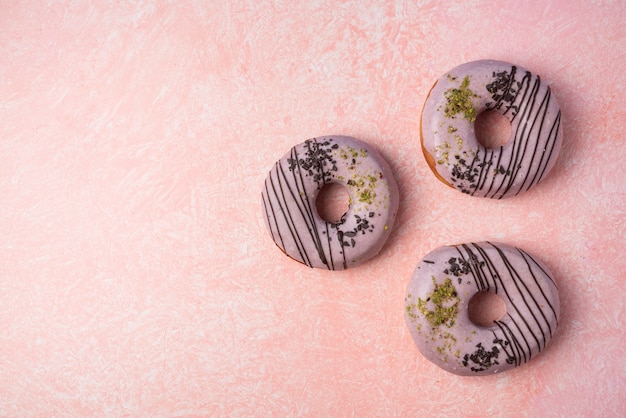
{"points": [[532, 316]]}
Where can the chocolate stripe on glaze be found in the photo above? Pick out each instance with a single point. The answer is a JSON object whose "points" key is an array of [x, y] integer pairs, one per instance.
{"points": [[480, 285], [537, 143], [534, 129], [518, 137], [284, 210], [518, 352], [516, 146], [528, 291], [485, 177], [516, 279], [538, 265], [520, 286], [516, 337], [545, 297], [505, 346], [507, 292], [521, 139], [542, 109], [308, 217], [554, 134], [306, 214]]}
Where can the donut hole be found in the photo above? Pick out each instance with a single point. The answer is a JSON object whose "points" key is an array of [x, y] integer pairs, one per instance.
{"points": [[332, 202], [486, 307], [492, 129]]}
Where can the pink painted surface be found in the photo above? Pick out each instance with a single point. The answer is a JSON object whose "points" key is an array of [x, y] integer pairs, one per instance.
{"points": [[136, 274]]}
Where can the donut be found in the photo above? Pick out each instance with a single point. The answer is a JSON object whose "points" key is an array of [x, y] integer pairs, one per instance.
{"points": [[448, 137], [438, 295], [291, 189]]}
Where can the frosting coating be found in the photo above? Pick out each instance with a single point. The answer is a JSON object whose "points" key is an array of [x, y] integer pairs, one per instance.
{"points": [[291, 189], [438, 295], [448, 134]]}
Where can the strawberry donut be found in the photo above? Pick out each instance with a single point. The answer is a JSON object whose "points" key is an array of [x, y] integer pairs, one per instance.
{"points": [[289, 202], [448, 136], [439, 293]]}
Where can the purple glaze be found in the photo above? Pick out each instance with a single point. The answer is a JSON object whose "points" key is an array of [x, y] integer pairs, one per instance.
{"points": [[291, 189], [436, 307], [448, 134]]}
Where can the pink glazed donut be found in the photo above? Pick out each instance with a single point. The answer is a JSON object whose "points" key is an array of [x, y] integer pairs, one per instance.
{"points": [[448, 135], [438, 296], [291, 189]]}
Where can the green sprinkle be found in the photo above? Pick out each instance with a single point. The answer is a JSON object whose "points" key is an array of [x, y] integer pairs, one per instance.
{"points": [[444, 302], [460, 101], [366, 196]]}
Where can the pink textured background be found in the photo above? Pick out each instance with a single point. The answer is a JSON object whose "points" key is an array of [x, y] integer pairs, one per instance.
{"points": [[136, 275]]}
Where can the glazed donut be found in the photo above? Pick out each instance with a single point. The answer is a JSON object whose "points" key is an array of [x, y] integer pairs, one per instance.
{"points": [[291, 189], [448, 135], [436, 307]]}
